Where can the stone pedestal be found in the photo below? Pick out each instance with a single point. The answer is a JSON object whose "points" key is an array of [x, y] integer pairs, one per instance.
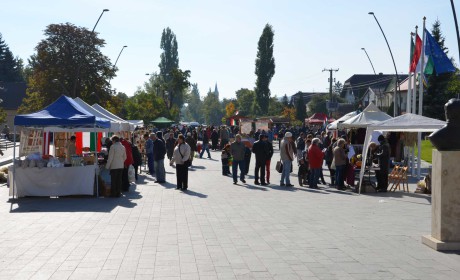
{"points": [[445, 202]]}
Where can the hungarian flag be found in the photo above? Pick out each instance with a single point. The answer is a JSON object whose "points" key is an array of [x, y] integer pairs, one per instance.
{"points": [[415, 54], [434, 58]]}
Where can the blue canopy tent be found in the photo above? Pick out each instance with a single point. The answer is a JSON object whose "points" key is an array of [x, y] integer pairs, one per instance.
{"points": [[64, 115]]}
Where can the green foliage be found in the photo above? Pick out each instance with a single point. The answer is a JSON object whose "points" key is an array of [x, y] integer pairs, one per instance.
{"points": [[73, 56], [145, 106], [265, 69], [337, 88], [317, 104], [195, 105], [170, 56], [245, 99], [212, 111], [285, 101], [11, 69], [2, 115], [441, 87], [300, 108], [275, 107]]}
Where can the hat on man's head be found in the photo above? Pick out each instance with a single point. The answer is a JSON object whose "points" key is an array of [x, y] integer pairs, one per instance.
{"points": [[288, 134], [189, 134]]}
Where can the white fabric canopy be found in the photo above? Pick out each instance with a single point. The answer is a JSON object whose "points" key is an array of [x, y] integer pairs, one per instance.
{"points": [[333, 125], [139, 123], [125, 125], [368, 116], [404, 123], [115, 125]]}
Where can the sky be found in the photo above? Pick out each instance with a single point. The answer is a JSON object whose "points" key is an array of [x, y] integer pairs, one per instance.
{"points": [[217, 40]]}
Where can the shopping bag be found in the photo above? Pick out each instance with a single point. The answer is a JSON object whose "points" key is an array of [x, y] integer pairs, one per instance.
{"points": [[131, 174], [279, 166], [333, 164]]}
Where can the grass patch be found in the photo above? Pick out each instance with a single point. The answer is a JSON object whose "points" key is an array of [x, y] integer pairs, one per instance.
{"points": [[426, 151]]}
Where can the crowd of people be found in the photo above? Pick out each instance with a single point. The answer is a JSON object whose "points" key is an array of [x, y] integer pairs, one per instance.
{"points": [[307, 148]]}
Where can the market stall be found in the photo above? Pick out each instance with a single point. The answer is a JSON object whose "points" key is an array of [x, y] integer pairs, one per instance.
{"points": [[45, 175], [404, 123]]}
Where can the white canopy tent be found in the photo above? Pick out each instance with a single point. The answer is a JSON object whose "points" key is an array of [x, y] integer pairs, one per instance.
{"points": [[404, 123], [333, 125], [139, 123], [115, 125], [126, 126], [368, 116]]}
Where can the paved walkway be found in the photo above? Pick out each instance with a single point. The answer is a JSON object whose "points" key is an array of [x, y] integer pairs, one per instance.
{"points": [[217, 230]]}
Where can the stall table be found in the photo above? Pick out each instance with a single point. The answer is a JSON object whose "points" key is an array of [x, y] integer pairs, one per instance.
{"points": [[51, 181]]}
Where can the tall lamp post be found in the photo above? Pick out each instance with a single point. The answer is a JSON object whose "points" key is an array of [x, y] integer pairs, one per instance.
{"points": [[369, 60], [117, 61], [456, 29], [394, 64], [74, 90]]}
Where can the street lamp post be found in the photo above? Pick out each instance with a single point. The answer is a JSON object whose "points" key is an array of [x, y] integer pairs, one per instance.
{"points": [[117, 61], [74, 91], [369, 60], [394, 64]]}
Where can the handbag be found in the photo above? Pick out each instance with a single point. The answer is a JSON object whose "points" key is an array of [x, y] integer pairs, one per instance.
{"points": [[333, 164], [188, 162], [279, 166]]}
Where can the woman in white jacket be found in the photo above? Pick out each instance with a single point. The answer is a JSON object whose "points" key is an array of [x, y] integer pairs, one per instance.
{"points": [[181, 154], [115, 163]]}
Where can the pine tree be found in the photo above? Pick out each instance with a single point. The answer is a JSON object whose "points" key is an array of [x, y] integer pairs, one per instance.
{"points": [[301, 110], [10, 67], [437, 92], [265, 68]]}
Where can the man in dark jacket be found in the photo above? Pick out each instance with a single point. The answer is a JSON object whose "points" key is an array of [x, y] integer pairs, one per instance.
{"points": [[269, 158], [205, 145], [159, 151], [383, 154], [192, 143], [260, 149]]}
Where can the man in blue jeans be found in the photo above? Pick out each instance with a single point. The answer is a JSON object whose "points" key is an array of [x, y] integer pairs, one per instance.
{"points": [[205, 145], [287, 156], [149, 152], [237, 151]]}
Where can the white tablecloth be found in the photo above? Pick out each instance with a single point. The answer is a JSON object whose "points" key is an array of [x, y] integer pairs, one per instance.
{"points": [[78, 180]]}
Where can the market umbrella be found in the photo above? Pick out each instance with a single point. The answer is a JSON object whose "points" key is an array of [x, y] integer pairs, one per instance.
{"points": [[162, 121]]}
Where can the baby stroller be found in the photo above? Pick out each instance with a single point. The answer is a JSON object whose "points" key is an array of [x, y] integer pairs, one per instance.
{"points": [[303, 169]]}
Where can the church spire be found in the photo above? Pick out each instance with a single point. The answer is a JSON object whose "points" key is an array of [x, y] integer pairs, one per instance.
{"points": [[216, 91]]}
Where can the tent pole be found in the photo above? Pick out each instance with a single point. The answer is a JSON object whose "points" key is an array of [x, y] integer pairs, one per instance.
{"points": [[419, 161], [14, 159], [95, 162]]}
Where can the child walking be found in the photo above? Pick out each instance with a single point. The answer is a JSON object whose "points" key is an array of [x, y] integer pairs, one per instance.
{"points": [[226, 159]]}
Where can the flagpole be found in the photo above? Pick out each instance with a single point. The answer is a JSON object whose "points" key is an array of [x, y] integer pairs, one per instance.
{"points": [[420, 101], [409, 87], [414, 90], [414, 104]]}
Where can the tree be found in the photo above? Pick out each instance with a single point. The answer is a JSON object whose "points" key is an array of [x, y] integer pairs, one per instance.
{"points": [[438, 92], [211, 109], [301, 109], [170, 56], [11, 69], [229, 109], [289, 112], [318, 104], [145, 106], [245, 98], [69, 60], [275, 108], [337, 88], [265, 68], [285, 101], [195, 105]]}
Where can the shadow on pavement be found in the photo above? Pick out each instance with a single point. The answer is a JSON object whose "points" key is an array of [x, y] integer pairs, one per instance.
{"points": [[253, 187], [192, 193], [72, 204]]}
